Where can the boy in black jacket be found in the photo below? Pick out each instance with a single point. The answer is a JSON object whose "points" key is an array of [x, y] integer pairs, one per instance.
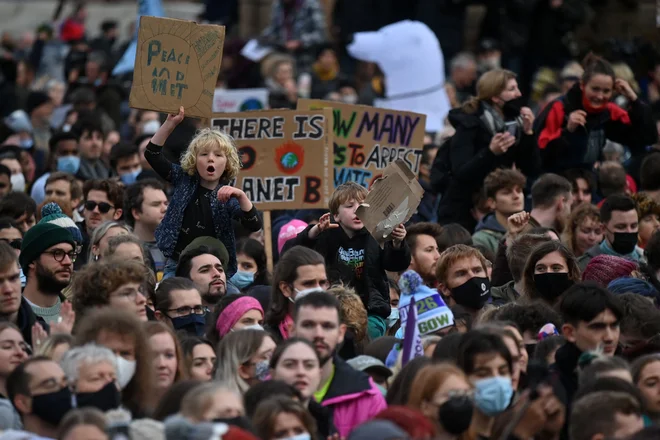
{"points": [[354, 257]]}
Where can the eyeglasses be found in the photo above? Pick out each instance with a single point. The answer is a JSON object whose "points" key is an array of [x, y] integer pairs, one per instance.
{"points": [[187, 310], [58, 255], [15, 243], [104, 207]]}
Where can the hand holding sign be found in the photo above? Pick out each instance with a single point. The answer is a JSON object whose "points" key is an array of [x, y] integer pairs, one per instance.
{"points": [[174, 120], [398, 234]]}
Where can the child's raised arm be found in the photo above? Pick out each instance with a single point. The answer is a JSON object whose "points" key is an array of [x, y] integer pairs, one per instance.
{"points": [[153, 153], [167, 128]]}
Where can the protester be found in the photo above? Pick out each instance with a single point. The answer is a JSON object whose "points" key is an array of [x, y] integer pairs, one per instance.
{"points": [[115, 283], [167, 363], [125, 247], [98, 242], [200, 358], [487, 127], [13, 351], [235, 312], [443, 394], [204, 265], [252, 270], [422, 240], [584, 229], [280, 417], [352, 395], [243, 359], [125, 336], [550, 270], [620, 221], [566, 127], [198, 176], [299, 272]]}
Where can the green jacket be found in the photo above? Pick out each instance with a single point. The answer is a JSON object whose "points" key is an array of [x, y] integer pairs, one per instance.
{"points": [[504, 294]]}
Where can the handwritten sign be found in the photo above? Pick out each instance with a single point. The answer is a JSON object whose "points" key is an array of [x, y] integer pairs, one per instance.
{"points": [[368, 139], [240, 100], [285, 156], [176, 64]]}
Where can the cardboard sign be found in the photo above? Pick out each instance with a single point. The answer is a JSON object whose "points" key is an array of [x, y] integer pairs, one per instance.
{"points": [[392, 200], [285, 156], [176, 64], [239, 100], [368, 139]]}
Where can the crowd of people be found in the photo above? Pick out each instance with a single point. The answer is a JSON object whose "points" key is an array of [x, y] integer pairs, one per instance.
{"points": [[136, 299]]}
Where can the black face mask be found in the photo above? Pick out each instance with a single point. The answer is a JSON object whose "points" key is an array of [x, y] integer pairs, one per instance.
{"points": [[192, 324], [551, 285], [455, 415], [52, 407], [624, 242], [105, 399], [511, 108], [473, 293]]}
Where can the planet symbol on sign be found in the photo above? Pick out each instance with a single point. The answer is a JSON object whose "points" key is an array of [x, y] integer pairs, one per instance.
{"points": [[289, 160], [289, 157]]}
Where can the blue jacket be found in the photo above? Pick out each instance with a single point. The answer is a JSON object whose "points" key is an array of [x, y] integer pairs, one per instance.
{"points": [[185, 187]]}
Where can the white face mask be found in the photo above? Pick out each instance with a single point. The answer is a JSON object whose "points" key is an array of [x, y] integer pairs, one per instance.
{"points": [[125, 371], [18, 182], [249, 327], [305, 292]]}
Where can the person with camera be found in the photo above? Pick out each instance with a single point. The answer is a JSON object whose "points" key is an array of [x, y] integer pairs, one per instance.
{"points": [[573, 129], [493, 130]]}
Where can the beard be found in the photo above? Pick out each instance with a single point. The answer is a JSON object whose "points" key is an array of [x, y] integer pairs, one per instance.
{"points": [[212, 298], [47, 282]]}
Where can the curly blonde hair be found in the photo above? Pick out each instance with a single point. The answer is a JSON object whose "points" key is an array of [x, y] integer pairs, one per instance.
{"points": [[207, 139], [353, 311]]}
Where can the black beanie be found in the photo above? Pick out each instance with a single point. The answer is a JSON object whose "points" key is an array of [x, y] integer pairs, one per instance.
{"points": [[34, 100]]}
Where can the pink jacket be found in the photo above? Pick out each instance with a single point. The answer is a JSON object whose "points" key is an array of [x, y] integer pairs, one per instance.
{"points": [[353, 397]]}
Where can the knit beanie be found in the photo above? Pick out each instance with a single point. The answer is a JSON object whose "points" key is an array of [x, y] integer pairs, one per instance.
{"points": [[39, 238], [34, 100], [605, 268], [52, 213], [432, 312], [633, 285], [18, 121], [288, 231]]}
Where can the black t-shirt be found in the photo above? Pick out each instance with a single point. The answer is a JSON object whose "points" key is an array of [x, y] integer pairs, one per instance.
{"points": [[197, 220]]}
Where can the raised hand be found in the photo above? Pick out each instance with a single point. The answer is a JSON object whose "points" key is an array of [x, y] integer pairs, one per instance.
{"points": [[516, 222], [174, 120], [39, 335], [398, 234], [325, 223], [622, 86], [227, 192], [66, 320], [576, 119]]}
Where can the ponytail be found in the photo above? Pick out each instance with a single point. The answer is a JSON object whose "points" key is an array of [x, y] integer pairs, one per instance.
{"points": [[595, 65]]}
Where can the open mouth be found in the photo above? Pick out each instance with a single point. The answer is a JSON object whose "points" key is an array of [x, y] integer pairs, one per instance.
{"points": [[210, 169]]}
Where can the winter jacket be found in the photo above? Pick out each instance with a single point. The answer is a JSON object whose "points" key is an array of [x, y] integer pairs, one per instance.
{"points": [[564, 372], [504, 294], [489, 232], [304, 22], [562, 150], [325, 427], [600, 249], [340, 252], [26, 318], [471, 160], [185, 187], [353, 398]]}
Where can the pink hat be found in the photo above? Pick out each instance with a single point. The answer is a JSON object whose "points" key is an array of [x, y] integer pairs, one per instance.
{"points": [[234, 311], [288, 231], [605, 268]]}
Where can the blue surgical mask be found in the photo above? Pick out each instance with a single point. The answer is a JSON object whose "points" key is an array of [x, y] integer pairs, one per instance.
{"points": [[304, 292], [493, 395], [68, 164], [130, 178], [26, 143], [192, 324], [393, 318], [242, 279], [304, 436]]}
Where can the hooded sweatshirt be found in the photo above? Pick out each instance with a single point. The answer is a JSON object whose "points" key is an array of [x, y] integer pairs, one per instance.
{"points": [[489, 232]]}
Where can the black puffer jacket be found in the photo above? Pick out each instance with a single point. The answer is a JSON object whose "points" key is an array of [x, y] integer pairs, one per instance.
{"points": [[470, 161]]}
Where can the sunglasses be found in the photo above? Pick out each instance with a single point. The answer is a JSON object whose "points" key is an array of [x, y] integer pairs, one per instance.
{"points": [[16, 243], [104, 207]]}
